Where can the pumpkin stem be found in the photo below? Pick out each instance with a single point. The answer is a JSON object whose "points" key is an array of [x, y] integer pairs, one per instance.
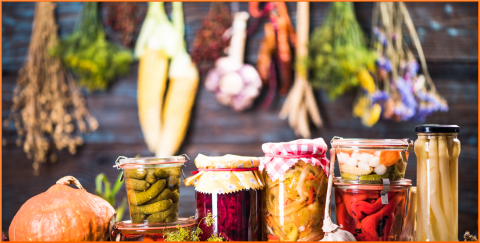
{"points": [[68, 180]]}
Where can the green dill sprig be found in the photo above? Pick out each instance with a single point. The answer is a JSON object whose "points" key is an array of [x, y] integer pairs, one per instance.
{"points": [[184, 234]]}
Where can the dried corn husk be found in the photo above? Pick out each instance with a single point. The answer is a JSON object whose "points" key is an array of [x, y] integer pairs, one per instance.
{"points": [[154, 50], [152, 80], [183, 75]]}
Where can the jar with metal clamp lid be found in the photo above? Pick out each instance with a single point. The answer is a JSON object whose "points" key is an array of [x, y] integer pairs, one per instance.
{"points": [[371, 211], [153, 187], [372, 159]]}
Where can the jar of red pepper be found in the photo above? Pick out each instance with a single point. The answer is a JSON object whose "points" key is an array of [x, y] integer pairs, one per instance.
{"points": [[228, 187], [371, 211]]}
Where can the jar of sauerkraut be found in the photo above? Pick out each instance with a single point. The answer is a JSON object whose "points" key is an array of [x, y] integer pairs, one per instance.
{"points": [[296, 182], [228, 188], [437, 149]]}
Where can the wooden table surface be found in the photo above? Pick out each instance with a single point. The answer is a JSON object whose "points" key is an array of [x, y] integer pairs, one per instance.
{"points": [[449, 36]]}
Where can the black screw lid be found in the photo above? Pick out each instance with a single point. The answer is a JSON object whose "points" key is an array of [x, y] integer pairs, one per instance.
{"points": [[436, 128]]}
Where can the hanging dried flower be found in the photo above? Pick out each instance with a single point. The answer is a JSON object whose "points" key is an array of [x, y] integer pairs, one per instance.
{"points": [[47, 106], [407, 95]]}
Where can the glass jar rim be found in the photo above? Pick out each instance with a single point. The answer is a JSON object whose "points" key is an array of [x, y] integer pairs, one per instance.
{"points": [[367, 143], [371, 185], [128, 225]]}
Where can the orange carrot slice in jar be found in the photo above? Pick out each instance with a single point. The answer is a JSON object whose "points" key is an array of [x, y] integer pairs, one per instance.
{"points": [[389, 158]]}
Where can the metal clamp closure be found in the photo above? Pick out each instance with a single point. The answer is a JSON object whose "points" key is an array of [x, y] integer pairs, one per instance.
{"points": [[183, 173], [118, 163], [334, 138], [403, 152], [385, 190]]}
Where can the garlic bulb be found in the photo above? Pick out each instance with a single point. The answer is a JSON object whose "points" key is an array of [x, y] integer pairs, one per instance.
{"points": [[332, 231], [235, 83]]}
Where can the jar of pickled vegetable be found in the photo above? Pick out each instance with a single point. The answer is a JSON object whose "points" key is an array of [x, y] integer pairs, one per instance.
{"points": [[228, 188], [153, 187], [296, 182], [372, 159], [371, 211], [437, 149]]}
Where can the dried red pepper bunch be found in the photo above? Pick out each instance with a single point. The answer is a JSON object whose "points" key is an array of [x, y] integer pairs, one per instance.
{"points": [[209, 43], [124, 17]]}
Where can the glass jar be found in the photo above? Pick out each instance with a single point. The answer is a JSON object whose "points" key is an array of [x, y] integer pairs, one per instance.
{"points": [[371, 212], [372, 159], [296, 184], [153, 187], [237, 213], [128, 231], [437, 149], [228, 188], [410, 224]]}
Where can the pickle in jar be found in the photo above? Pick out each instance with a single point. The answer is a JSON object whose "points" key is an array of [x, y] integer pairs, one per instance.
{"points": [[137, 198]]}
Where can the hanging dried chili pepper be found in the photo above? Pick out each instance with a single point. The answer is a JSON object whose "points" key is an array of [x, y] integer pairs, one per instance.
{"points": [[276, 45]]}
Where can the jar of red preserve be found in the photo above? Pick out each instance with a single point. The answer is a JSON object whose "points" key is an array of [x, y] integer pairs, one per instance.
{"points": [[228, 188], [372, 211]]}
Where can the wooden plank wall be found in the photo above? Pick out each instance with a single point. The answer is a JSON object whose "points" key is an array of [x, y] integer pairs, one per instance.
{"points": [[448, 33]]}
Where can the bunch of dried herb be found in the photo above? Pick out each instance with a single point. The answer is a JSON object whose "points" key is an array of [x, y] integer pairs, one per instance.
{"points": [[47, 106], [339, 58], [183, 234], [89, 55]]}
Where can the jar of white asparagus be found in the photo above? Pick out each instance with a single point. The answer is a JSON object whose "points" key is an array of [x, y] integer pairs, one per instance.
{"points": [[437, 149]]}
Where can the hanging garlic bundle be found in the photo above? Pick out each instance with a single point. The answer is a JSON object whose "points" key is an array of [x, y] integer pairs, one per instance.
{"points": [[332, 231], [300, 103], [46, 103], [406, 95]]}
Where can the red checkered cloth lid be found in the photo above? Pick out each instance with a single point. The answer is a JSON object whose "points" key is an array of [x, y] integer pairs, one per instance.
{"points": [[279, 157]]}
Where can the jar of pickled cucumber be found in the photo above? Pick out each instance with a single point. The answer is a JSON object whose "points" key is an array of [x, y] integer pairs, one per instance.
{"points": [[372, 159], [153, 187], [437, 149], [296, 182], [229, 189]]}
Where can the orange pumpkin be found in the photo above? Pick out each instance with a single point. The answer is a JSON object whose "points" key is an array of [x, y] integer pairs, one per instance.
{"points": [[63, 213]]}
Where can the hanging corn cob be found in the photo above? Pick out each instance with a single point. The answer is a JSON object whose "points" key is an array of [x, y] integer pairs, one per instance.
{"points": [[153, 51], [181, 93]]}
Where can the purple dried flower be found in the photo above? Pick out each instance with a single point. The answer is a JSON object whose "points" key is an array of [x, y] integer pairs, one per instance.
{"points": [[409, 104], [379, 97], [384, 63]]}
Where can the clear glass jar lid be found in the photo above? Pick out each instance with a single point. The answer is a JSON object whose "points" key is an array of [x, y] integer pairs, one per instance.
{"points": [[371, 185], [373, 144], [122, 160]]}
